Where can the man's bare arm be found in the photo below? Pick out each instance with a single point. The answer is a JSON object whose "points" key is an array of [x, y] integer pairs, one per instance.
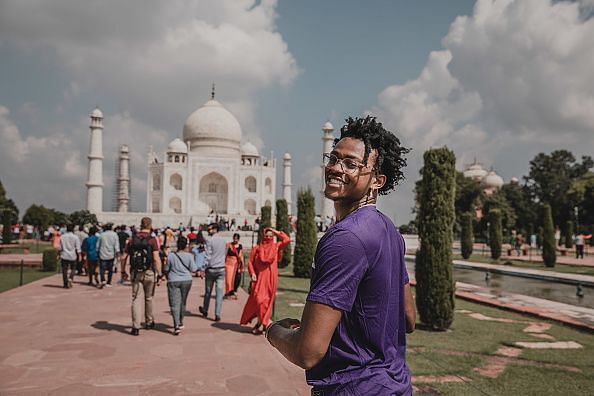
{"points": [[409, 309], [306, 345]]}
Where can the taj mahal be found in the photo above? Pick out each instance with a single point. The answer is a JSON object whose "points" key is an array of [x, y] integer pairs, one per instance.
{"points": [[209, 170]]}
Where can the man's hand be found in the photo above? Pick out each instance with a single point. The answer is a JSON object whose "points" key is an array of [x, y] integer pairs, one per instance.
{"points": [[289, 323]]}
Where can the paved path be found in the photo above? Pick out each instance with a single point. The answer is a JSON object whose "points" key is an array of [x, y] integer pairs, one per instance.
{"points": [[76, 342]]}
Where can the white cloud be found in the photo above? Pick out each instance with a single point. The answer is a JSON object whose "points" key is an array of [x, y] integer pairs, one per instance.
{"points": [[513, 74], [154, 61]]}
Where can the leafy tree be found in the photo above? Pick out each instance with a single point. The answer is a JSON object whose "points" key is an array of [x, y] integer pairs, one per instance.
{"points": [[265, 222], [6, 203], [569, 235], [435, 219], [468, 196], [549, 254], [498, 201], [38, 215], [519, 199], [582, 193], [552, 176], [59, 218], [495, 234], [82, 217], [306, 238], [7, 226], [466, 239], [282, 224]]}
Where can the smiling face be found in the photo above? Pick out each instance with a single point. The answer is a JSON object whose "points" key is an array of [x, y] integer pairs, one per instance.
{"points": [[346, 186]]}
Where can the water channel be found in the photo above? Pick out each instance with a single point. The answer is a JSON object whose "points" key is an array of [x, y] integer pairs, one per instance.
{"points": [[547, 290]]}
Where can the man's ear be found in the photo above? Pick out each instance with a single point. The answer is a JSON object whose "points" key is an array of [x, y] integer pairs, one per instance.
{"points": [[378, 182]]}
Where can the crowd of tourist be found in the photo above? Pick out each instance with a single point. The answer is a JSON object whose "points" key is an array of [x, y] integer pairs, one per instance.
{"points": [[149, 256]]}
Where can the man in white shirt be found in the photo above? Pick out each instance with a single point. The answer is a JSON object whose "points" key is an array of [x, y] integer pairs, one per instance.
{"points": [[69, 255], [108, 248]]}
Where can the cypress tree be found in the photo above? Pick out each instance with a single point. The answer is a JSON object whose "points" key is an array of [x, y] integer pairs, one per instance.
{"points": [[265, 221], [548, 238], [569, 234], [307, 237], [7, 230], [282, 224], [435, 220], [495, 233], [466, 239]]}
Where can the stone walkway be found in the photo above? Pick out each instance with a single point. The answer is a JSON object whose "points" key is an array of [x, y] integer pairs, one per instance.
{"points": [[76, 342]]}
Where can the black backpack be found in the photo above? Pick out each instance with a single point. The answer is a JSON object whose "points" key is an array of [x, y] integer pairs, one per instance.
{"points": [[141, 253]]}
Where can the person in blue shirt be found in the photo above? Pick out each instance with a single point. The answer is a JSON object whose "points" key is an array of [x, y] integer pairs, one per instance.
{"points": [[90, 249], [179, 268]]}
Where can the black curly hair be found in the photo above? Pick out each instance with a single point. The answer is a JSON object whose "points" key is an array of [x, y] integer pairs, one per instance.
{"points": [[390, 153]]}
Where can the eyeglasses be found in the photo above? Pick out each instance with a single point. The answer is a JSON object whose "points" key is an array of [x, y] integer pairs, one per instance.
{"points": [[348, 165]]}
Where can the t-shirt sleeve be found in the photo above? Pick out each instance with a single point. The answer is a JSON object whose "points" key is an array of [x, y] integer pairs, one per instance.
{"points": [[402, 260], [340, 265]]}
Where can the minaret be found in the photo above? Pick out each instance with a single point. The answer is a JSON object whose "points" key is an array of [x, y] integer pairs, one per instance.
{"points": [[95, 177], [124, 179], [327, 206], [287, 180]]}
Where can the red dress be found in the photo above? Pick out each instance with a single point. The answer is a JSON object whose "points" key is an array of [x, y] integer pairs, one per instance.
{"points": [[264, 263]]}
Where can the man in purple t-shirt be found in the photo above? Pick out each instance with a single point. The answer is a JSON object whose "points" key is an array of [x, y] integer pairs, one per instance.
{"points": [[351, 337]]}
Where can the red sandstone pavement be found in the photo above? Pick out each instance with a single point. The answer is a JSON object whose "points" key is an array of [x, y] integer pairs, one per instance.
{"points": [[56, 341]]}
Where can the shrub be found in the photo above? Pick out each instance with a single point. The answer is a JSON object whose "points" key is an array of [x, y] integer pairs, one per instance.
{"points": [[569, 235], [495, 233], [7, 224], [50, 260], [549, 255], [466, 239], [307, 237], [435, 221], [265, 221], [282, 224]]}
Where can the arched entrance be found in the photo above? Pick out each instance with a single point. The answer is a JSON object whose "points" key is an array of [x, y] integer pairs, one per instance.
{"points": [[214, 192]]}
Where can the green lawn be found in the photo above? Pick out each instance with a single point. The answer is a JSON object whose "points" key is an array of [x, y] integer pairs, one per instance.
{"points": [[470, 342], [562, 268], [10, 277], [31, 247]]}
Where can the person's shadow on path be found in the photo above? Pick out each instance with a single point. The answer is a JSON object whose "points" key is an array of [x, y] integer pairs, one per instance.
{"points": [[231, 327], [104, 325]]}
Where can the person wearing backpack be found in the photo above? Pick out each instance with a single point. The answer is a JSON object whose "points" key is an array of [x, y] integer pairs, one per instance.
{"points": [[179, 268], [145, 269]]}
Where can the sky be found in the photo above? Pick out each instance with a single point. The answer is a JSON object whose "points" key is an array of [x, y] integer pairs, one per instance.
{"points": [[496, 80]]}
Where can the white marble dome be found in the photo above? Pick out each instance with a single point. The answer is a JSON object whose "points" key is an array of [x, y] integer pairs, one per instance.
{"points": [[287, 156], [492, 180], [212, 125], [249, 150], [475, 171], [177, 146], [97, 113], [328, 126]]}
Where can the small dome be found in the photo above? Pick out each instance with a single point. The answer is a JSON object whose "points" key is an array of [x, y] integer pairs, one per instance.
{"points": [[514, 180], [177, 146], [212, 124], [96, 113], [475, 171], [492, 180], [328, 126], [287, 156], [249, 150]]}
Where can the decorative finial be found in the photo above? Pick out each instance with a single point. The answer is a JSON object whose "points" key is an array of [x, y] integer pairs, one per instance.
{"points": [[212, 93]]}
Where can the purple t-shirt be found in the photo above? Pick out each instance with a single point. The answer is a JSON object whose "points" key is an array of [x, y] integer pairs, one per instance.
{"points": [[359, 268]]}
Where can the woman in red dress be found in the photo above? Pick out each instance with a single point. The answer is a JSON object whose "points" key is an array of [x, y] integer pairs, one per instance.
{"points": [[233, 266], [263, 268]]}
